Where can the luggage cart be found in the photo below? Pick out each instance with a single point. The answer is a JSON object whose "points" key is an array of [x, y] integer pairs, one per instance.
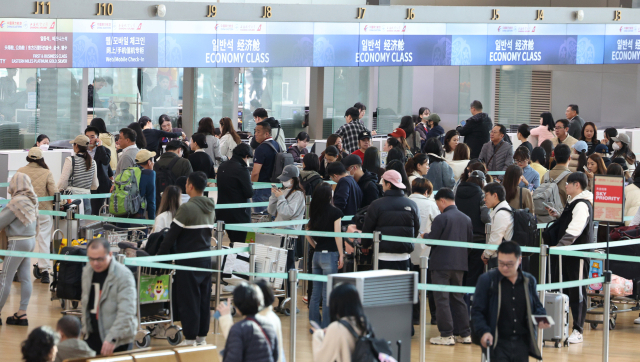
{"points": [[155, 307]]}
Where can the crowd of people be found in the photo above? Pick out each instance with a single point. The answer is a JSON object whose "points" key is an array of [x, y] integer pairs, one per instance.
{"points": [[435, 185]]}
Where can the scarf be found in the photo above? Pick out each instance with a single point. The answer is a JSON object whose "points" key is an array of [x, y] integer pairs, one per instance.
{"points": [[24, 202]]}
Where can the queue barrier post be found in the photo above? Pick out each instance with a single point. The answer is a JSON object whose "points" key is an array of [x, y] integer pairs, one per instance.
{"points": [[377, 236], [293, 291], [605, 315], [424, 264], [56, 207], [220, 235], [305, 257], [544, 254], [252, 262], [69, 219]]}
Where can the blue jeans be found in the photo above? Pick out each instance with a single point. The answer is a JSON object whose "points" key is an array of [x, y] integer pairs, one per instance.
{"points": [[261, 196], [323, 264]]}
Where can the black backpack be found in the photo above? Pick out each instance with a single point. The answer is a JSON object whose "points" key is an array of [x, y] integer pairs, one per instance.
{"points": [[67, 275], [282, 159], [368, 347], [310, 184], [165, 177], [525, 227], [154, 241]]}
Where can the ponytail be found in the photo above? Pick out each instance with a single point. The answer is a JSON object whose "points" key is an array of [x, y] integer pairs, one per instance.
{"points": [[582, 161], [412, 164], [82, 152]]}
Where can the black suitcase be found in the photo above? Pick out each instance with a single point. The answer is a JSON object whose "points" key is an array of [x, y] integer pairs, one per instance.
{"points": [[67, 275]]}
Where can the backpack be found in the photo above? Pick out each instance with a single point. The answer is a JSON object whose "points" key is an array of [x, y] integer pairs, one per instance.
{"points": [[368, 347], [153, 242], [67, 275], [165, 177], [548, 193], [525, 227], [126, 199], [282, 159], [310, 184]]}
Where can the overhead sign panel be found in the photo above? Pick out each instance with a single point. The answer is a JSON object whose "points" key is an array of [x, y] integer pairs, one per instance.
{"points": [[32, 43]]}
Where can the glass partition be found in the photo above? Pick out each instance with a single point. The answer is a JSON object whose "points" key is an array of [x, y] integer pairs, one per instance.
{"points": [[344, 87], [18, 108], [214, 95], [395, 97], [161, 93], [475, 84], [60, 104], [114, 96]]}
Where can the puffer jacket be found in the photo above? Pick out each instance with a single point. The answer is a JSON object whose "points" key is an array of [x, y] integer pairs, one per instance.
{"points": [[369, 185], [470, 201], [116, 307], [392, 215], [110, 142], [248, 341], [42, 181], [476, 133]]}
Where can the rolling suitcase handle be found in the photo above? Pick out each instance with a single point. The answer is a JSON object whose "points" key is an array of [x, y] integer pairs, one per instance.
{"points": [[486, 355]]}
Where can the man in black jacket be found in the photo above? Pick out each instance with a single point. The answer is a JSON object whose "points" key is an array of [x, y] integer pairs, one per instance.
{"points": [[447, 267], [234, 186], [393, 215], [190, 232], [476, 129], [102, 156], [367, 181]]}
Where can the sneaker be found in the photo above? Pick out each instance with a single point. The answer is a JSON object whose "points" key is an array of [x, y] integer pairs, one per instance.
{"points": [[188, 343], [463, 340], [575, 337], [45, 277], [201, 341], [443, 341], [636, 321], [305, 300]]}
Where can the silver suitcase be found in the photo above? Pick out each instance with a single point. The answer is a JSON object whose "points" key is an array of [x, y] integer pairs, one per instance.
{"points": [[557, 306]]}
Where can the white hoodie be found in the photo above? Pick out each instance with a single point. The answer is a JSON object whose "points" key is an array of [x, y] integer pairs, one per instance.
{"points": [[579, 218]]}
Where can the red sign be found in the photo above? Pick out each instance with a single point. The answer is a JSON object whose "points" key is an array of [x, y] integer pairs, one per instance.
{"points": [[608, 198], [33, 43]]}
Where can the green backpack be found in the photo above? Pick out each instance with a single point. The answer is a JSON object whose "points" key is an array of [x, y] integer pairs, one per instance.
{"points": [[126, 199]]}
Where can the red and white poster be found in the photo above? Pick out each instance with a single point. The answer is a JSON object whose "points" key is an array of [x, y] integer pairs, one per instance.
{"points": [[33, 43], [608, 198]]}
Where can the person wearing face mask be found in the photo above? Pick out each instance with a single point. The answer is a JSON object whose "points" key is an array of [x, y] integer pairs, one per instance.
{"points": [[368, 181], [234, 186], [621, 150], [299, 149], [43, 142]]}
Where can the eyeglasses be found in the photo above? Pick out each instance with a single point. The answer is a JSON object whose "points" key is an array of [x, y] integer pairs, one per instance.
{"points": [[98, 260], [506, 265], [560, 127]]}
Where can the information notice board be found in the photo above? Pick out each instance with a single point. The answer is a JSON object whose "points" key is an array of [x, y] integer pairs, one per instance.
{"points": [[608, 198]]}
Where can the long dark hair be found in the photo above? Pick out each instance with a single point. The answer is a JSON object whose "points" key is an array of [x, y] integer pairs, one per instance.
{"points": [[143, 121], [226, 126], [162, 119], [407, 125], [40, 138], [447, 137], [624, 152], [38, 345], [371, 161], [82, 153], [320, 202], [433, 146], [141, 141], [547, 146], [398, 165], [310, 162], [344, 301], [40, 162], [206, 126], [582, 161], [99, 124], [594, 140], [412, 163], [170, 200], [547, 120], [511, 181], [396, 154]]}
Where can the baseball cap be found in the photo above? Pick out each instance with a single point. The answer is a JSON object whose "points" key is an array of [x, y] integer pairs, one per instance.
{"points": [[364, 135], [35, 153], [580, 146], [601, 149], [622, 137], [288, 172], [144, 155], [434, 117], [395, 179], [398, 132], [351, 160], [81, 140]]}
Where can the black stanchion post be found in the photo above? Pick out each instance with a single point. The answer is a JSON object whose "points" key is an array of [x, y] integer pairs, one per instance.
{"points": [[220, 235], [293, 289], [605, 312], [252, 262], [424, 264], [377, 236], [56, 207]]}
